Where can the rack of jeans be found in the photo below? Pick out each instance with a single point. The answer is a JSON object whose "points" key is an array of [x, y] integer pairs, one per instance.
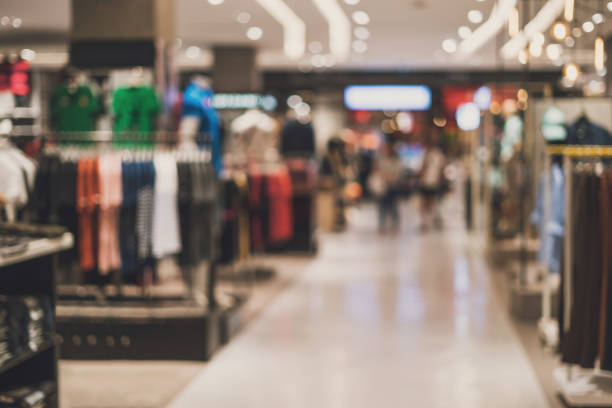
{"points": [[585, 313], [28, 341], [140, 283]]}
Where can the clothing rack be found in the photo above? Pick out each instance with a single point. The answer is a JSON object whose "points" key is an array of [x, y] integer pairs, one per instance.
{"points": [[578, 387]]}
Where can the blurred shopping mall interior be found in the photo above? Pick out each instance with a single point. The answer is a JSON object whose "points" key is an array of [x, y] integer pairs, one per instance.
{"points": [[305, 203]]}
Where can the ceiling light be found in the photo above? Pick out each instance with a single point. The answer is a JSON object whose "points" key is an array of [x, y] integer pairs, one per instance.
{"points": [[293, 101], [216, 2], [315, 47], [553, 51], [487, 31], [600, 54], [539, 39], [254, 33], [570, 42], [17, 22], [609, 5], [542, 21], [318, 60], [475, 16], [568, 11], [339, 28], [588, 26], [27, 54], [243, 17], [193, 52], [351, 2], [523, 57], [571, 71], [303, 109], [514, 23], [464, 32], [5, 21], [361, 17], [294, 28], [361, 33], [535, 49], [559, 31], [360, 46], [603, 72], [577, 32], [598, 18], [330, 61], [449, 45]]}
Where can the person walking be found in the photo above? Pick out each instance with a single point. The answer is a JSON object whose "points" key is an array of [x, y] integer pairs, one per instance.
{"points": [[431, 184], [388, 171]]}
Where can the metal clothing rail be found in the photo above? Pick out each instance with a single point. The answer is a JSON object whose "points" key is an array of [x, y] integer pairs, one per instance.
{"points": [[110, 136]]}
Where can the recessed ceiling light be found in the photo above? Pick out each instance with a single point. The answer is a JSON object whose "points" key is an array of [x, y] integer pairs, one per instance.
{"points": [[17, 22], [588, 26], [330, 61], [351, 2], [570, 42], [193, 52], [360, 46], [464, 32], [475, 16], [28, 54], [553, 51], [535, 49], [598, 18], [216, 2], [294, 100], [5, 20], [560, 30], [243, 17], [315, 47], [318, 61], [609, 5], [539, 39], [361, 33], [361, 17], [449, 45], [577, 32], [254, 33], [523, 57]]}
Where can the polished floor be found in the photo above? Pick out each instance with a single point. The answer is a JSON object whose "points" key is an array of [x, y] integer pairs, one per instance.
{"points": [[407, 320]]}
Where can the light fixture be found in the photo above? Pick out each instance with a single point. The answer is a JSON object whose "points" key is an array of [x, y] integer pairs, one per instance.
{"points": [[490, 28], [577, 32], [600, 54], [330, 61], [570, 42], [318, 61], [603, 72], [315, 47], [464, 32], [17, 22], [598, 18], [449, 45], [514, 23], [542, 21], [361, 17], [254, 33], [360, 46], [294, 28], [588, 26], [216, 2], [27, 54], [293, 101], [193, 52], [361, 33], [351, 2], [539, 39], [568, 12], [483, 97], [5, 20], [609, 5], [559, 31], [339, 28], [303, 109], [523, 57], [522, 95], [243, 17], [535, 49], [571, 71], [468, 116], [553, 51], [475, 16]]}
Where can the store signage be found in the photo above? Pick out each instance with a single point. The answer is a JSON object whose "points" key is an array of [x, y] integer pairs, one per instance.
{"points": [[244, 101], [387, 97]]}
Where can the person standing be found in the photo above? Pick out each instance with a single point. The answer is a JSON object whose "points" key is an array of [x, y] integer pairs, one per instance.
{"points": [[388, 171], [431, 179]]}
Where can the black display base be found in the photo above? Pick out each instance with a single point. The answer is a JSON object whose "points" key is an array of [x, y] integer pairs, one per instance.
{"points": [[231, 320], [176, 338]]}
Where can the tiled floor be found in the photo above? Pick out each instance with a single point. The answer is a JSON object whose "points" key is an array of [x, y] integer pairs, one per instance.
{"points": [[410, 320]]}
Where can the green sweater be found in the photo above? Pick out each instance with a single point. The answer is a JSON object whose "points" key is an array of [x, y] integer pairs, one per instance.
{"points": [[135, 109], [74, 110]]}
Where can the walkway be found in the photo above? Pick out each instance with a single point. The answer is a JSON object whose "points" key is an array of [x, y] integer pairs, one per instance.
{"points": [[392, 321]]}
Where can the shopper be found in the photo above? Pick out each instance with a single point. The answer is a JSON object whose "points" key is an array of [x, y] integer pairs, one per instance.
{"points": [[335, 172], [431, 181], [388, 172]]}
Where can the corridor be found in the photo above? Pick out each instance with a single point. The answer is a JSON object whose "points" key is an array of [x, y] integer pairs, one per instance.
{"points": [[378, 321]]}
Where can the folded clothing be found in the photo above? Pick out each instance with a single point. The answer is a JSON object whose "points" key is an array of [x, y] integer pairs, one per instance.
{"points": [[32, 230], [11, 245], [40, 395]]}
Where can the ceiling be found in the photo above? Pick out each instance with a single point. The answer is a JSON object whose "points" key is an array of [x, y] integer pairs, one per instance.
{"points": [[405, 34]]}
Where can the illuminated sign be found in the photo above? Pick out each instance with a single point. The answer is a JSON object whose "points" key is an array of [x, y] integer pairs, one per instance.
{"points": [[387, 97], [244, 101]]}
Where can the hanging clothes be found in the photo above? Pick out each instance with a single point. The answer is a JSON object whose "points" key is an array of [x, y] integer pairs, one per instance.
{"points": [[166, 231], [74, 108]]}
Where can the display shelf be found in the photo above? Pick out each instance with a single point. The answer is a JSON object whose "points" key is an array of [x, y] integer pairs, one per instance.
{"points": [[38, 248], [22, 358], [584, 388]]}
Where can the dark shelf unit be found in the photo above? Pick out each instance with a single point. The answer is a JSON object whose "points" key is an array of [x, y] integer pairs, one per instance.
{"points": [[33, 274]]}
